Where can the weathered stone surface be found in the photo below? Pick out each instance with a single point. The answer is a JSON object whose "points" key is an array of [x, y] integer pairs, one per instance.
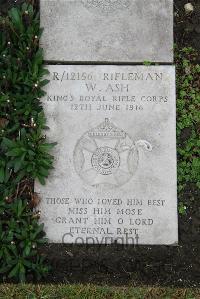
{"points": [[109, 31], [115, 159]]}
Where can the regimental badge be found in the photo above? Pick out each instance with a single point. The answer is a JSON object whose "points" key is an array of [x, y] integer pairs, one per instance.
{"points": [[106, 156], [106, 6]]}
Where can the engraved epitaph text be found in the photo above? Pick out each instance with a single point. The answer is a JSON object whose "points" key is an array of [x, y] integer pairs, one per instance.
{"points": [[114, 176]]}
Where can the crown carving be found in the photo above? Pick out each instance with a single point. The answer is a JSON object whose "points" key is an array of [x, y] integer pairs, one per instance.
{"points": [[106, 130]]}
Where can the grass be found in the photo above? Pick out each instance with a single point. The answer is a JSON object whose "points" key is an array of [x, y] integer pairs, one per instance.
{"points": [[62, 291]]}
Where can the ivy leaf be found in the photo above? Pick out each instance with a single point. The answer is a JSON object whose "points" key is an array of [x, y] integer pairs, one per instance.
{"points": [[47, 146], [38, 59], [20, 176], [14, 271], [18, 163], [22, 272], [8, 143], [44, 172], [1, 175], [6, 175], [27, 250], [41, 179], [15, 16], [19, 208], [14, 152], [44, 82]]}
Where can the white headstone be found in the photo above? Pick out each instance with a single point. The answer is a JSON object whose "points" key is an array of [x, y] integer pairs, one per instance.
{"points": [[115, 160], [107, 30]]}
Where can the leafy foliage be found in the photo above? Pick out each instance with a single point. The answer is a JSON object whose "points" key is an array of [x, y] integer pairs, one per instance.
{"points": [[24, 153], [188, 120]]}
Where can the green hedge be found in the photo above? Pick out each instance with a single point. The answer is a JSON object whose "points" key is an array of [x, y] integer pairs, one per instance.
{"points": [[24, 154], [188, 125]]}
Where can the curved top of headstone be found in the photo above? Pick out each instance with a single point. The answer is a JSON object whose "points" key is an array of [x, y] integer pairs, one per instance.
{"points": [[106, 6], [107, 30]]}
